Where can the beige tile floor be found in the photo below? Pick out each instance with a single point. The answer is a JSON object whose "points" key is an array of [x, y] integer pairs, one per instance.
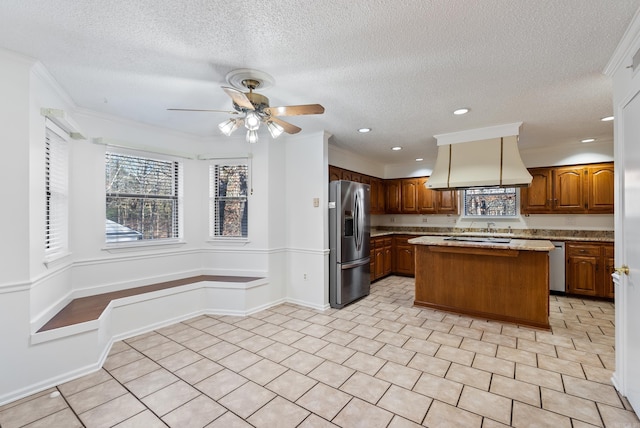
{"points": [[379, 362]]}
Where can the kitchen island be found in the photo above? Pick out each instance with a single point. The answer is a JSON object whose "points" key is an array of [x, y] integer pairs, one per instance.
{"points": [[500, 279]]}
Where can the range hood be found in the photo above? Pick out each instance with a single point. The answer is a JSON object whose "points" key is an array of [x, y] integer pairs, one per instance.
{"points": [[484, 157]]}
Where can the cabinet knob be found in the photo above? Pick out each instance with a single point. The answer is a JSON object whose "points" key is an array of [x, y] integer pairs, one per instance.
{"points": [[624, 269]]}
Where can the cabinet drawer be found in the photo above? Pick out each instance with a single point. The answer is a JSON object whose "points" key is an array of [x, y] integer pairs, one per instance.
{"points": [[583, 250], [387, 241]]}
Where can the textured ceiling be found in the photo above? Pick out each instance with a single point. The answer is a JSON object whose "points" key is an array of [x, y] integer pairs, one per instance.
{"points": [[398, 67]]}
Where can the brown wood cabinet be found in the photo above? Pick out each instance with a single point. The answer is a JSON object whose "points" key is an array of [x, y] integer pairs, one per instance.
{"points": [[416, 198], [377, 196], [589, 268], [601, 185], [401, 195], [579, 189], [393, 191], [403, 256], [381, 257], [503, 284]]}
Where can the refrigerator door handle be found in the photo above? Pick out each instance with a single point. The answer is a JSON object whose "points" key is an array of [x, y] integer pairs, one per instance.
{"points": [[357, 263], [356, 212]]}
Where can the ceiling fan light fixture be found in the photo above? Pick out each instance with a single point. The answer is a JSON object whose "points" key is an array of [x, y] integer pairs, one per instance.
{"points": [[274, 129], [252, 121], [228, 126], [252, 136]]}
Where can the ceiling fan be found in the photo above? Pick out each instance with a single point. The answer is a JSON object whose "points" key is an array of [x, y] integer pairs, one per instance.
{"points": [[255, 107]]}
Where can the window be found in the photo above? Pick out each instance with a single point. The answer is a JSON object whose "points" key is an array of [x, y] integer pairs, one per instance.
{"points": [[491, 202], [142, 198], [228, 204], [56, 190]]}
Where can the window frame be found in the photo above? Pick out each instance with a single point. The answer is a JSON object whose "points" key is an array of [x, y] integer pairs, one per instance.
{"points": [[213, 199], [177, 185], [464, 214], [56, 157]]}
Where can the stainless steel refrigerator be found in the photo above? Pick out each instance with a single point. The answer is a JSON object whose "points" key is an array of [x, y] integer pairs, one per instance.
{"points": [[349, 233]]}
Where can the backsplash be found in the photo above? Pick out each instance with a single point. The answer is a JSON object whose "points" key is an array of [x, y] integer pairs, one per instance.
{"points": [[577, 235]]}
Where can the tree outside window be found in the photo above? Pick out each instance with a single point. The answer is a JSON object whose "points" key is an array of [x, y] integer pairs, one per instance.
{"points": [[142, 196], [228, 200], [491, 202]]}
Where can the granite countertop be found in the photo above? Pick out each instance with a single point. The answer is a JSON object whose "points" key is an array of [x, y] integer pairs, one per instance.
{"points": [[513, 244], [519, 234]]}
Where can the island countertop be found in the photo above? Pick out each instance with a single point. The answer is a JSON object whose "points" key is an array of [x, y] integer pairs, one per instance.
{"points": [[513, 244]]}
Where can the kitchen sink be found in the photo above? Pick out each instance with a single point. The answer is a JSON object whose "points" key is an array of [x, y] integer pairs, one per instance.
{"points": [[478, 239]]}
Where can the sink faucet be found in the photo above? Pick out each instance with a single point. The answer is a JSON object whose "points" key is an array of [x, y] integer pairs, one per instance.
{"points": [[491, 227]]}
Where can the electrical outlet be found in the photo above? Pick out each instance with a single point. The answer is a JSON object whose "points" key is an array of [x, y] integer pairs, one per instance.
{"points": [[393, 219], [305, 276], [316, 202], [425, 219]]}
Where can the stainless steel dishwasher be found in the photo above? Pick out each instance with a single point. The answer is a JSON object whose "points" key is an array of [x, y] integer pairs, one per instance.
{"points": [[556, 267]]}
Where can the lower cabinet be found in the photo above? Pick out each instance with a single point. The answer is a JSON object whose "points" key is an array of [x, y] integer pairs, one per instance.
{"points": [[381, 257], [391, 255], [589, 269], [403, 256]]}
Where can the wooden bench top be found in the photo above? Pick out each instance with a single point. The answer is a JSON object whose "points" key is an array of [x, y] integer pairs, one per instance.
{"points": [[90, 308]]}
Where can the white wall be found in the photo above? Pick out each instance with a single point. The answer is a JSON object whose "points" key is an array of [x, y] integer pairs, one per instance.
{"points": [[307, 224]]}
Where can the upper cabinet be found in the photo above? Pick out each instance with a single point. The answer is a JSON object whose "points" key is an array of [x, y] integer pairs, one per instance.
{"points": [[600, 193], [585, 189], [415, 198], [377, 195]]}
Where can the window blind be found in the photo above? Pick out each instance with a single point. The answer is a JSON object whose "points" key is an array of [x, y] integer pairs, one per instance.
{"points": [[228, 202], [56, 192], [142, 198]]}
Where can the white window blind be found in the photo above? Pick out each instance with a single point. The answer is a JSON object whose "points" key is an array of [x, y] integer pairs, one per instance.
{"points": [[142, 198], [57, 190], [228, 202]]}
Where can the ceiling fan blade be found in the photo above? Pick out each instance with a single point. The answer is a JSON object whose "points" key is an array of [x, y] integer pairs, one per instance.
{"points": [[288, 127], [295, 110], [194, 109], [239, 98]]}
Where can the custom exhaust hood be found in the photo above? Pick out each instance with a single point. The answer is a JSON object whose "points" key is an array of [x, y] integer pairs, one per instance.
{"points": [[484, 157]]}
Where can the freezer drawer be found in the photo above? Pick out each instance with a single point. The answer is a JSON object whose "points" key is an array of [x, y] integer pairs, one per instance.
{"points": [[350, 282]]}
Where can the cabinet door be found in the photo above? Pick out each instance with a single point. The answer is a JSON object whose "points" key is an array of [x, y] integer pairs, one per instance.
{"points": [[569, 190], [372, 259], [387, 260], [537, 198], [404, 260], [609, 267], [392, 199], [582, 275], [379, 262], [427, 198], [409, 196], [377, 196], [447, 202], [600, 185], [335, 173]]}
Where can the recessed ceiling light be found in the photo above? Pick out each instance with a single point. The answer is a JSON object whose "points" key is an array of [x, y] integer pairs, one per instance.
{"points": [[419, 159], [607, 118], [396, 148], [461, 111], [588, 140], [364, 130]]}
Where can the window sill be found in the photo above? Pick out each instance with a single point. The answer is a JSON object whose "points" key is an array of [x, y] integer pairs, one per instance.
{"points": [[135, 246], [228, 241], [56, 259]]}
